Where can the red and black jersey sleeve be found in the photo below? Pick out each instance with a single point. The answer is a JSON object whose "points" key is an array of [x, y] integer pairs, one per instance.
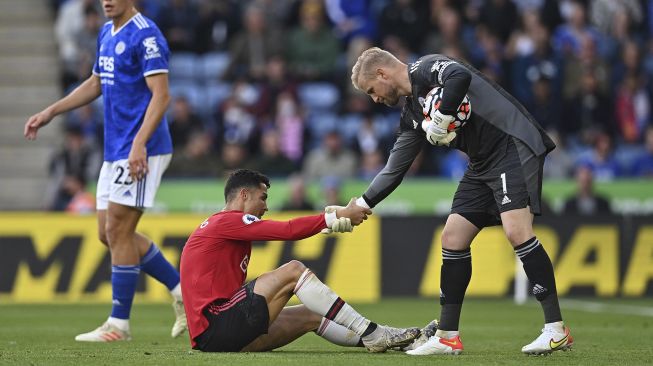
{"points": [[239, 226]]}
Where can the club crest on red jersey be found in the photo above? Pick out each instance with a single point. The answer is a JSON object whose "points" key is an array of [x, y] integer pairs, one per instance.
{"points": [[248, 219]]}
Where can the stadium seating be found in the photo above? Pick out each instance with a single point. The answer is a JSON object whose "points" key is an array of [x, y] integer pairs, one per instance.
{"points": [[183, 67], [212, 66], [319, 96], [215, 93]]}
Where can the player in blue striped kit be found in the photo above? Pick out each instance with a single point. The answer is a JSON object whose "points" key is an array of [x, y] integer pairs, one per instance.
{"points": [[131, 73]]}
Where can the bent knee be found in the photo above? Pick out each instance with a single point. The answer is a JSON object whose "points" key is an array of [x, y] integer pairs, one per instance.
{"points": [[453, 241], [290, 273], [294, 268], [518, 235]]}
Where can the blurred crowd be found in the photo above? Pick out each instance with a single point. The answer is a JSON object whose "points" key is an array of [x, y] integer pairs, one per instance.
{"points": [[264, 84]]}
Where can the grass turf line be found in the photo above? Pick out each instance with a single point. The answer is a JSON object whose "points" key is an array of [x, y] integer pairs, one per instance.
{"points": [[493, 332]]}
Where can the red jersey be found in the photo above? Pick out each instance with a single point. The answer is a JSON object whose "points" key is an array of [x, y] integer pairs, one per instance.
{"points": [[215, 258]]}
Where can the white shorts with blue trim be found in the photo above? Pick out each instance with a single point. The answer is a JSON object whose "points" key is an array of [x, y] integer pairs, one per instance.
{"points": [[115, 184]]}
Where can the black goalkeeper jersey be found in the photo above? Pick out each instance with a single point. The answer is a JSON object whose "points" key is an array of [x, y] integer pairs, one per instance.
{"points": [[496, 116]]}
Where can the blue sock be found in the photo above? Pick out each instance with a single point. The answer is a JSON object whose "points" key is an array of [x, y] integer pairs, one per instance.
{"points": [[154, 264], [123, 282]]}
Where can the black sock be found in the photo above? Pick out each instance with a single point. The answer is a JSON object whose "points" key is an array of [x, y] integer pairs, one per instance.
{"points": [[455, 274], [539, 270], [370, 328]]}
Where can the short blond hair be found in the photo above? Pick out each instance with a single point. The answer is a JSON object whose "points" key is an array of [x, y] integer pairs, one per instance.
{"points": [[368, 62]]}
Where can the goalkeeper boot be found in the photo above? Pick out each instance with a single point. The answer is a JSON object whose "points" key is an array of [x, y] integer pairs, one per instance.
{"points": [[181, 324], [442, 343], [107, 332], [385, 337], [554, 337], [427, 332]]}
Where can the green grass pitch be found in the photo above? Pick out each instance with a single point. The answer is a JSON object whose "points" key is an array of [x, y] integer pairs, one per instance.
{"points": [[493, 331]]}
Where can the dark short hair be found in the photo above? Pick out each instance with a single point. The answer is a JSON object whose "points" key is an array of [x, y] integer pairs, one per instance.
{"points": [[243, 178]]}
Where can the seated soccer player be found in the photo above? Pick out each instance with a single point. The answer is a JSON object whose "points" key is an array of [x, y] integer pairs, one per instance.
{"points": [[226, 315]]}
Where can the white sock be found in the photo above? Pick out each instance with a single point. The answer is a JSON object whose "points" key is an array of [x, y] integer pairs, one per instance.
{"points": [[176, 292], [446, 334], [122, 324], [322, 300], [337, 334], [556, 326]]}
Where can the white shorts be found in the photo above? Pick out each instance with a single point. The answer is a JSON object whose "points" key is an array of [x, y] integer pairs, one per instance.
{"points": [[115, 184]]}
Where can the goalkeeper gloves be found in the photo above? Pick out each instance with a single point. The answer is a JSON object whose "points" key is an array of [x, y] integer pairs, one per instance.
{"points": [[339, 225], [437, 129]]}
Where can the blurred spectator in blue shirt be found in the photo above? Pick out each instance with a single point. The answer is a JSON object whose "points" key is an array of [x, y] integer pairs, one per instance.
{"points": [[453, 165], [531, 58], [568, 37], [643, 166], [352, 19], [372, 162], [89, 121], [601, 160]]}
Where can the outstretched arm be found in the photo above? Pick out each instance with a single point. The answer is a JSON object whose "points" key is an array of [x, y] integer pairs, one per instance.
{"points": [[83, 94], [408, 145], [253, 229]]}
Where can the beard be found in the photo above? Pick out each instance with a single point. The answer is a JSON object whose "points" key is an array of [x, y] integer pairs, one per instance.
{"points": [[392, 99]]}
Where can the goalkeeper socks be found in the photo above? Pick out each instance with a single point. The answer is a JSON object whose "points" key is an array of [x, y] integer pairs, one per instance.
{"points": [[337, 334], [539, 270], [455, 274], [123, 283], [322, 300], [154, 264]]}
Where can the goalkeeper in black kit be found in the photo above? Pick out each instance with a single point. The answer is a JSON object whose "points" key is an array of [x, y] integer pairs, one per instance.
{"points": [[501, 186]]}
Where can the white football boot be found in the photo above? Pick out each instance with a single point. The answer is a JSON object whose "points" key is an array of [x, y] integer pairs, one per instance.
{"points": [[181, 324], [442, 343], [426, 333], [385, 337], [554, 337], [107, 332]]}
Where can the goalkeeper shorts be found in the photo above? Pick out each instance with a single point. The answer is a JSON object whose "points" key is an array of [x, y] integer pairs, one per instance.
{"points": [[514, 181]]}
